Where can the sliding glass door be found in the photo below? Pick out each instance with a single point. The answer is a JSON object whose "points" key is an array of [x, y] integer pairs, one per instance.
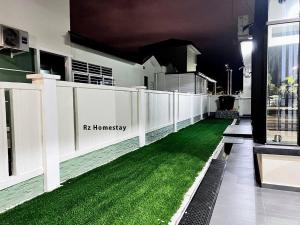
{"points": [[283, 70]]}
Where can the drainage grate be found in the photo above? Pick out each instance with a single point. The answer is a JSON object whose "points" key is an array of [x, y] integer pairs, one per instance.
{"points": [[200, 210]]}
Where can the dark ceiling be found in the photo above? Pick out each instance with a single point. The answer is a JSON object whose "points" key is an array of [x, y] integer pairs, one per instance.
{"points": [[129, 24]]}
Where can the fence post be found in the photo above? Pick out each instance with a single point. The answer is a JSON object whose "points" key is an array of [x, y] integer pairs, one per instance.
{"points": [[142, 115], [201, 107], [192, 109], [175, 110], [47, 83], [208, 100]]}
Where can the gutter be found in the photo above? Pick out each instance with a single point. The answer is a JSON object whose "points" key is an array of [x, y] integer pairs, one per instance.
{"points": [[175, 220]]}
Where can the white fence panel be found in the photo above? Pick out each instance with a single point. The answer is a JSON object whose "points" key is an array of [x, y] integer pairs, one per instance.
{"points": [[197, 105], [214, 103], [126, 113], [26, 131], [103, 107], [159, 110], [245, 106], [3, 139], [205, 103], [184, 107], [23, 110], [65, 106]]}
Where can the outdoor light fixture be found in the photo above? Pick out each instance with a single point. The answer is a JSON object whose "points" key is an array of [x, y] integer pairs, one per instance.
{"points": [[246, 48]]}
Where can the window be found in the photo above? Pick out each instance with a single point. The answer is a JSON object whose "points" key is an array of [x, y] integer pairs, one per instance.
{"points": [[282, 86], [91, 74], [53, 64], [146, 82], [283, 9]]}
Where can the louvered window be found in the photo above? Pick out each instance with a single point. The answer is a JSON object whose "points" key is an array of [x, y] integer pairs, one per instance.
{"points": [[107, 71], [91, 74]]}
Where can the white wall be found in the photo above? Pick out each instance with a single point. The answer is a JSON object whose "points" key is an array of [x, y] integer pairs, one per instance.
{"points": [[279, 170], [126, 74], [187, 83], [191, 59], [184, 83], [47, 22], [151, 68]]}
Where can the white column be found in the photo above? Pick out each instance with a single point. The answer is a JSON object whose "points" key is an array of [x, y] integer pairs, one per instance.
{"points": [[201, 107], [49, 129], [208, 102], [192, 108], [175, 110], [37, 61], [215, 91], [142, 115], [68, 69], [3, 139]]}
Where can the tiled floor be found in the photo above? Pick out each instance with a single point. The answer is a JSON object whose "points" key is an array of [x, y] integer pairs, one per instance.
{"points": [[241, 202]]}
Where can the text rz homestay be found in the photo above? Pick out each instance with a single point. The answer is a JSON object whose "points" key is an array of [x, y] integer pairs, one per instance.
{"points": [[104, 128]]}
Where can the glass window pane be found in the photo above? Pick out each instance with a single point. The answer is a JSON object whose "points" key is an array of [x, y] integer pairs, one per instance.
{"points": [[282, 90], [283, 9]]}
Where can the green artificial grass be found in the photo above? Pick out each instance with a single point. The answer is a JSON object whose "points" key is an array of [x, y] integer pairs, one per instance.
{"points": [[143, 187]]}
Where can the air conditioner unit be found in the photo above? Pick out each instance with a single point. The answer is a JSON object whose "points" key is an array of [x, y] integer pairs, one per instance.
{"points": [[13, 39]]}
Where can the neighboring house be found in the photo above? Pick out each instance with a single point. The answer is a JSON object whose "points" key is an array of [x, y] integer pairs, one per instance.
{"points": [[179, 60], [51, 51], [189, 82], [153, 72], [179, 56]]}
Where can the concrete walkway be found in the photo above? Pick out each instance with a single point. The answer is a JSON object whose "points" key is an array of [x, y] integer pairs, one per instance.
{"points": [[241, 202]]}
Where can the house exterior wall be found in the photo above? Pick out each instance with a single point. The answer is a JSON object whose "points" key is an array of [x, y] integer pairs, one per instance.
{"points": [[153, 70], [185, 83], [191, 60], [48, 23], [125, 73]]}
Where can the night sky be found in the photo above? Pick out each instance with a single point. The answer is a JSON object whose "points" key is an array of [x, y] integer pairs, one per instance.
{"points": [[129, 24]]}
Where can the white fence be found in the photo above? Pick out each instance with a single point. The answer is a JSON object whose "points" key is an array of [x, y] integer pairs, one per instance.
{"points": [[53, 121], [81, 107], [25, 137]]}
